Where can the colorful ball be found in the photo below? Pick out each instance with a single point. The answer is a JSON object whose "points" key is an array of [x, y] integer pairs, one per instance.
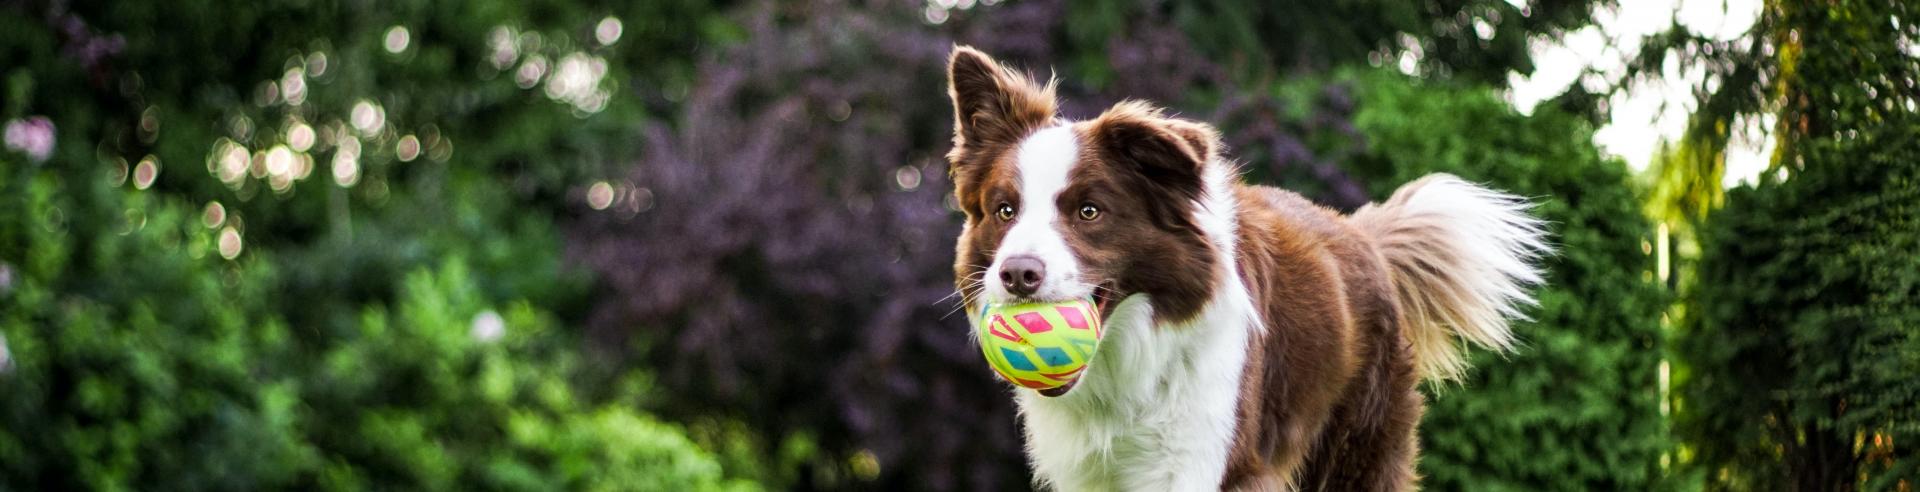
{"points": [[1041, 346]]}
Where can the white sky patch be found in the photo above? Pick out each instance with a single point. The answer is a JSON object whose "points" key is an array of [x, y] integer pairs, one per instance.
{"points": [[1650, 110]]}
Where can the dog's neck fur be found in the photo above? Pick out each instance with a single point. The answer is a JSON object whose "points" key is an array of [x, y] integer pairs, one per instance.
{"points": [[1156, 411]]}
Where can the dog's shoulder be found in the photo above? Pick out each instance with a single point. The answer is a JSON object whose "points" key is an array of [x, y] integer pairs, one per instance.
{"points": [[1283, 209]]}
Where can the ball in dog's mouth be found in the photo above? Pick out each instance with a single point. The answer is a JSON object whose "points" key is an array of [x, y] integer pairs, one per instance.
{"points": [[1043, 346], [1104, 297]]}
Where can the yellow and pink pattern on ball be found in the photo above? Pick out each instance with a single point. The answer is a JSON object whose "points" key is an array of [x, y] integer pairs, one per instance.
{"points": [[1041, 345]]}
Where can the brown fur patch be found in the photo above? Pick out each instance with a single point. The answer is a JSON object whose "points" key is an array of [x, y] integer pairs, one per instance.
{"points": [[1144, 174], [1327, 400], [980, 237]]}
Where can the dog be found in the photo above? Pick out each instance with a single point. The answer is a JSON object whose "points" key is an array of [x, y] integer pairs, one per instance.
{"points": [[1256, 341]]}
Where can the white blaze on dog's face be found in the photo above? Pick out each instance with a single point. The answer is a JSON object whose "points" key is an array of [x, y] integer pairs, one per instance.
{"points": [[1033, 261], [1059, 210]]}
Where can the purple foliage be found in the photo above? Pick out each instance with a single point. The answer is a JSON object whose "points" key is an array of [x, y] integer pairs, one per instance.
{"points": [[792, 268], [785, 274], [1259, 132], [80, 43]]}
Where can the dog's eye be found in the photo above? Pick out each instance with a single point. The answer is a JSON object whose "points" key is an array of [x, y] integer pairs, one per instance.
{"points": [[1005, 212], [1089, 212]]}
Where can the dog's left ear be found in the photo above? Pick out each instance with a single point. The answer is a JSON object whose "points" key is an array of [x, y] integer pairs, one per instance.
{"points": [[1168, 155], [993, 104]]}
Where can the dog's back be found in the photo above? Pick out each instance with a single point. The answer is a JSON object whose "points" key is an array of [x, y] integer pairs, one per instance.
{"points": [[1358, 310]]}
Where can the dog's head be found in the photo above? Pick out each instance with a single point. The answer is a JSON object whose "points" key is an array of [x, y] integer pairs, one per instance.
{"points": [[1108, 208]]}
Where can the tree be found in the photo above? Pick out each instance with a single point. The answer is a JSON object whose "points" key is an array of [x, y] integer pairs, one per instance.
{"points": [[1799, 350], [1817, 69], [1799, 312]]}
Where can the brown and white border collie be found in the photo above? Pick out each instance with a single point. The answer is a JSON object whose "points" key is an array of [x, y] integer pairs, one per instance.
{"points": [[1256, 341]]}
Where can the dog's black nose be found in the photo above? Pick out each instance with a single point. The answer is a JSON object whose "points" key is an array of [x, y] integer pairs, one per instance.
{"points": [[1021, 275]]}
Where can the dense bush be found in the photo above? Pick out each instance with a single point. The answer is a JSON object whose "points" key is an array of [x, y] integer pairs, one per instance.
{"points": [[1796, 362], [1576, 406], [255, 245], [1799, 366], [141, 358]]}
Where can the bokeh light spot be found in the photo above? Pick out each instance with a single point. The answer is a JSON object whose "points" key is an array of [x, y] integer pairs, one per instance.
{"points": [[639, 200], [149, 124], [397, 39], [600, 195], [504, 47], [488, 326], [293, 86], [241, 127], [317, 64], [346, 170], [228, 161], [279, 161], [608, 31], [214, 216], [530, 71], [258, 165], [840, 111], [908, 177], [346, 162], [118, 173], [440, 150], [368, 117], [302, 165], [146, 172], [577, 81], [230, 243], [267, 94], [300, 136], [407, 149]]}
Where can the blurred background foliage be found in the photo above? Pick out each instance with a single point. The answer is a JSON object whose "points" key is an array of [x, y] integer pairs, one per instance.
{"points": [[683, 244]]}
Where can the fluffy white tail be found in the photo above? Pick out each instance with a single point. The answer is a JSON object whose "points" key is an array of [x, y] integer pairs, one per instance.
{"points": [[1462, 258]]}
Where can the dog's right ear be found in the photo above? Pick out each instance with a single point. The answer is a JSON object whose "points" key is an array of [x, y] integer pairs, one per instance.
{"points": [[1169, 156], [992, 104]]}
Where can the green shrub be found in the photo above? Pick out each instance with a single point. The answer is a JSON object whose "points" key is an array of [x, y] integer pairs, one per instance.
{"points": [[1575, 407], [1797, 359], [1800, 351], [171, 324], [139, 358]]}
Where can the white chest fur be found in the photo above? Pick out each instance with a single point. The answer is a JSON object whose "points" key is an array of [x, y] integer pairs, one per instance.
{"points": [[1155, 410]]}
